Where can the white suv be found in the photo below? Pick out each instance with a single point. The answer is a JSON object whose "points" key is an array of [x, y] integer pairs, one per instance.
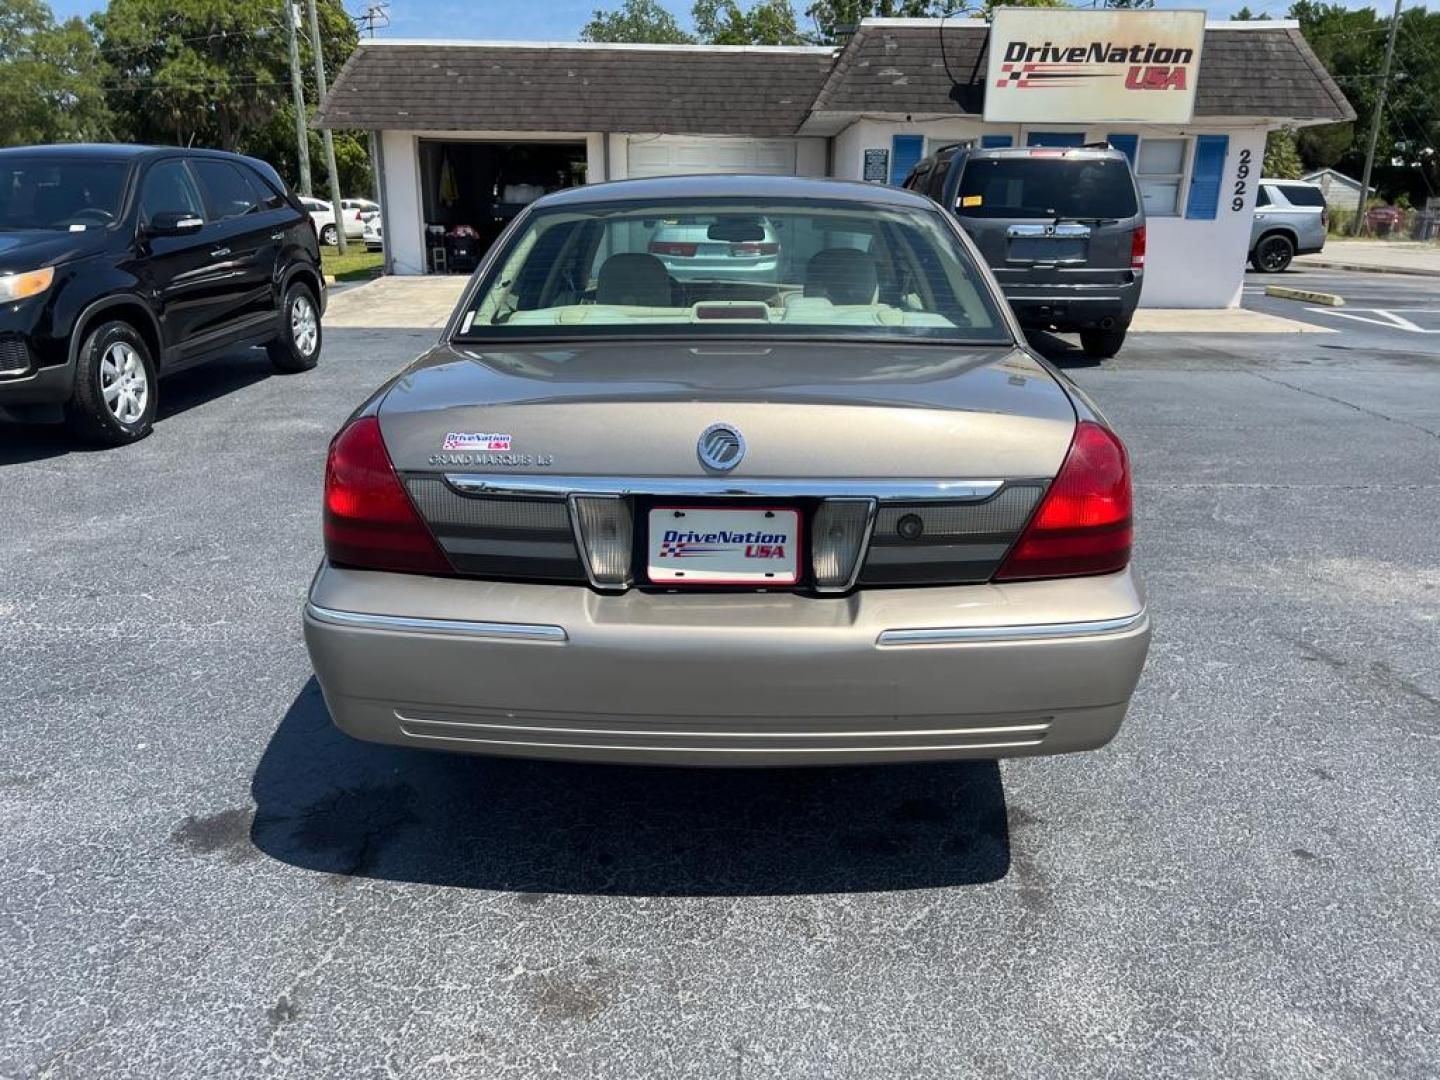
{"points": [[1290, 219]]}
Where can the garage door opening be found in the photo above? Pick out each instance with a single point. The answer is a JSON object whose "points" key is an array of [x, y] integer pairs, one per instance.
{"points": [[471, 190]]}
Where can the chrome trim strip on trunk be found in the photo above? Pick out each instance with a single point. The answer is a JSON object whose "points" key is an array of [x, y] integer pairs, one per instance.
{"points": [[969, 635], [447, 627], [709, 487]]}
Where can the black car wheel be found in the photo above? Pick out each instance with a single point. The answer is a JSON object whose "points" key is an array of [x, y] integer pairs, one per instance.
{"points": [[329, 236], [1102, 344], [115, 384], [1272, 254], [297, 348]]}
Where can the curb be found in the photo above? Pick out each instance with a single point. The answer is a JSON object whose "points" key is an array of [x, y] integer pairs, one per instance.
{"points": [[1366, 268], [329, 279], [1284, 292]]}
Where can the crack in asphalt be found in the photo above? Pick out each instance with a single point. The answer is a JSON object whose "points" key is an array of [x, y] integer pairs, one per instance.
{"points": [[1348, 404]]}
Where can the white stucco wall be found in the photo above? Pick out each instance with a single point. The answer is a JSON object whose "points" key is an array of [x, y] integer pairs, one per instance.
{"points": [[1188, 263]]}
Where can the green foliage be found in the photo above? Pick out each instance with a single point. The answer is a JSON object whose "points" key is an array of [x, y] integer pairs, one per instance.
{"points": [[1282, 156], [831, 16], [1351, 45], [216, 73], [1129, 4], [768, 22], [641, 21], [51, 88]]}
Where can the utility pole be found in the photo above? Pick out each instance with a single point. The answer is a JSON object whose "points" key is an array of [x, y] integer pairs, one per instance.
{"points": [[1375, 121], [375, 15], [325, 135], [297, 91]]}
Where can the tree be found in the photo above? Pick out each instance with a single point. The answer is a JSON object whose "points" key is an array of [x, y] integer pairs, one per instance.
{"points": [[1351, 45], [768, 22], [642, 21], [831, 16], [50, 90], [1129, 4], [1282, 156], [216, 73]]}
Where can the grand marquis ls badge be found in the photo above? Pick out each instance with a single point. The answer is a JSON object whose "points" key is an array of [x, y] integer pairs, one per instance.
{"points": [[721, 447]]}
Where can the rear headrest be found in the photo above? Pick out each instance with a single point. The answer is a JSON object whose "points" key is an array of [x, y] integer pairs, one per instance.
{"points": [[843, 276], [634, 279]]}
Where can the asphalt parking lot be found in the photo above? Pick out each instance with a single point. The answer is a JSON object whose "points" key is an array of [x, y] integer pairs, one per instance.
{"points": [[1381, 311], [202, 878]]}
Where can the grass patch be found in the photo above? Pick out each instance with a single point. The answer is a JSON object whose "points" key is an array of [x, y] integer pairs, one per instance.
{"points": [[357, 264]]}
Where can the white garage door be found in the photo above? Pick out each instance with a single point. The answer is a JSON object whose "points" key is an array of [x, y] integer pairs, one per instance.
{"points": [[676, 155]]}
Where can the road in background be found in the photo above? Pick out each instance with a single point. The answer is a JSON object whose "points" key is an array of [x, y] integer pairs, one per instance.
{"points": [[203, 878]]}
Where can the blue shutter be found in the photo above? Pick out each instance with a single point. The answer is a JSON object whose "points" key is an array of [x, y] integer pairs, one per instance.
{"points": [[905, 153], [1055, 138], [995, 142], [1126, 144], [1206, 175]]}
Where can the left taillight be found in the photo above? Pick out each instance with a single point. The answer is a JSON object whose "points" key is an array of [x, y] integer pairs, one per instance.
{"points": [[1137, 249], [369, 520]]}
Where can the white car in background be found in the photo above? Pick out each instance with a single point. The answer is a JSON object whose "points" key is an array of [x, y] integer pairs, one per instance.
{"points": [[354, 213], [374, 233]]}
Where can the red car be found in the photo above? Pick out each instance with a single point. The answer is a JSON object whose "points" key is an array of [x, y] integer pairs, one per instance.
{"points": [[1384, 219]]}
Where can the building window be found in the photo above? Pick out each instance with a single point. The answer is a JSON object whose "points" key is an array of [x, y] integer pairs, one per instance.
{"points": [[1159, 168]]}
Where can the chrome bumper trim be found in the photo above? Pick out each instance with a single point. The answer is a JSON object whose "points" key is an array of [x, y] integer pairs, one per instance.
{"points": [[969, 635], [493, 631], [707, 487]]}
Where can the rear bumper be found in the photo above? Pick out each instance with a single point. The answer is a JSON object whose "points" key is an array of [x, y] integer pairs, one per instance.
{"points": [[734, 679], [1074, 307]]}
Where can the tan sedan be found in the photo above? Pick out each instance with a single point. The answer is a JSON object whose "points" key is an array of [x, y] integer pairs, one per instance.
{"points": [[843, 515]]}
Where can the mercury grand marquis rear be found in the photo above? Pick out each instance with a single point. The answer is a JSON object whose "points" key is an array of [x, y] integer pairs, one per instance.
{"points": [[839, 514]]}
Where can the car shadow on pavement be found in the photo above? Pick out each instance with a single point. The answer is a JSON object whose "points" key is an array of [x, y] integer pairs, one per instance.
{"points": [[332, 804], [179, 393], [1063, 354]]}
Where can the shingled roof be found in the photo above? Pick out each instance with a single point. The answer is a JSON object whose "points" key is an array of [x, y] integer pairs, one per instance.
{"points": [[900, 66], [889, 66], [666, 89]]}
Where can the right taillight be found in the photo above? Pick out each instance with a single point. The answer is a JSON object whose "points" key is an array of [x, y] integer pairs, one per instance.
{"points": [[1137, 248], [1083, 524], [369, 520]]}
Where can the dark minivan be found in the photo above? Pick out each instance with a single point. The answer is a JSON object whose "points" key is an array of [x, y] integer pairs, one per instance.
{"points": [[1063, 230], [120, 264]]}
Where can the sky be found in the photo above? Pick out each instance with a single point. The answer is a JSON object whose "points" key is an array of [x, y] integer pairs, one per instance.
{"points": [[561, 20]]}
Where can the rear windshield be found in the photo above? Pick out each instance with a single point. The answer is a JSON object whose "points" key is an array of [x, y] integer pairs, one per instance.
{"points": [[1046, 187], [1302, 194], [64, 194], [735, 267]]}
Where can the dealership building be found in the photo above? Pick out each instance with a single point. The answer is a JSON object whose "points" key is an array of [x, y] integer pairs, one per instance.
{"points": [[468, 132]]}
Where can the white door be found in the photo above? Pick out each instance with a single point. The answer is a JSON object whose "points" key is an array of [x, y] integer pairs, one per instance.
{"points": [[679, 155]]}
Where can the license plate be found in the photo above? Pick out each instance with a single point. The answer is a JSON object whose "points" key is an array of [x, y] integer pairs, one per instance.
{"points": [[705, 546], [1041, 249]]}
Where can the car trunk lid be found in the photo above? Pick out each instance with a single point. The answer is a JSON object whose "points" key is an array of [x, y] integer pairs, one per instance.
{"points": [[806, 410]]}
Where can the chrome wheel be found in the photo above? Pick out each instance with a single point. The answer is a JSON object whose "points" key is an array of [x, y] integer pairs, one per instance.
{"points": [[304, 325], [124, 383]]}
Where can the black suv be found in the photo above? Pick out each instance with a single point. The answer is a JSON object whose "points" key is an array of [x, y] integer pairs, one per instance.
{"points": [[1062, 229], [119, 264]]}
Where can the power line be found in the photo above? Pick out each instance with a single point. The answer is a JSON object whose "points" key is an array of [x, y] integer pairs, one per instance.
{"points": [[166, 41]]}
